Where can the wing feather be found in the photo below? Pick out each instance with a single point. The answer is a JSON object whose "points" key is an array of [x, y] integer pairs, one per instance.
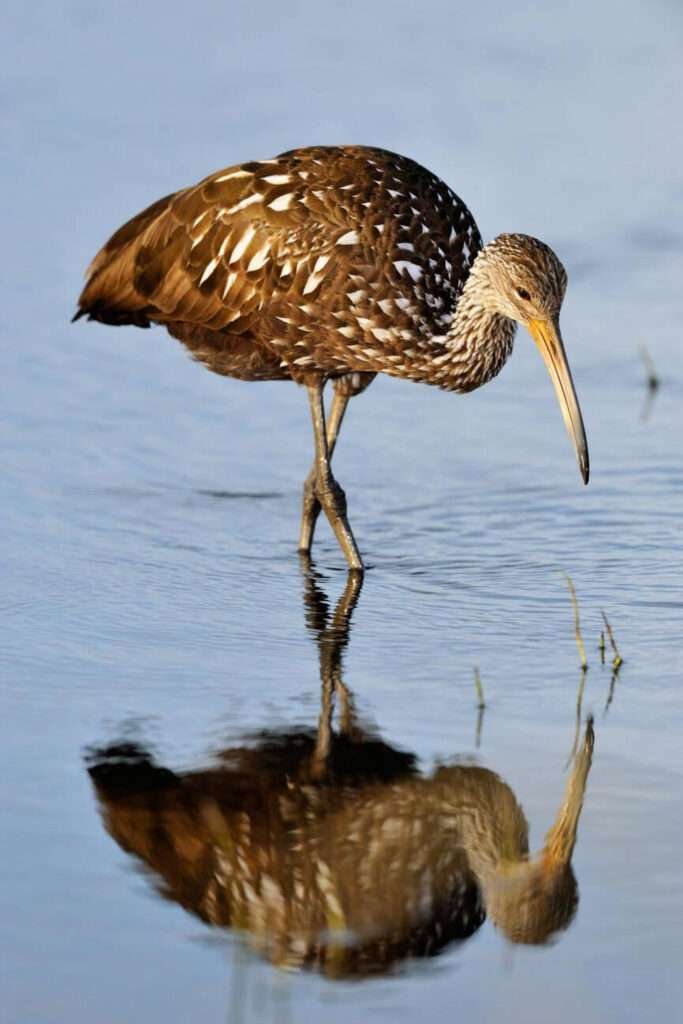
{"points": [[328, 255]]}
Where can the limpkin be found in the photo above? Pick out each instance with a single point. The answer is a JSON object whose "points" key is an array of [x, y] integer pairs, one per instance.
{"points": [[328, 848], [334, 263]]}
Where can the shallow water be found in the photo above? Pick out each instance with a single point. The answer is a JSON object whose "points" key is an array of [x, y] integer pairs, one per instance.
{"points": [[152, 593]]}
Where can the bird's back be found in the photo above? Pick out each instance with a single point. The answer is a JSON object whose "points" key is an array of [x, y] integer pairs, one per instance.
{"points": [[322, 259]]}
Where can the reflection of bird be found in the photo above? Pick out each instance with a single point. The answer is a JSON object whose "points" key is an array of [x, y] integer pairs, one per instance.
{"points": [[331, 850], [334, 263]]}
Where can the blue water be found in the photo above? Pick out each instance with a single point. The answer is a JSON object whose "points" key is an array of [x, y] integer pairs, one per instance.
{"points": [[151, 587]]}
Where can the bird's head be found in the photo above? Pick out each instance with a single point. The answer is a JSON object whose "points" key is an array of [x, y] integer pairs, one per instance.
{"points": [[521, 278], [532, 902]]}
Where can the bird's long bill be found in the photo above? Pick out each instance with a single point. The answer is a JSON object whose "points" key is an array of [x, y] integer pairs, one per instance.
{"points": [[546, 334]]}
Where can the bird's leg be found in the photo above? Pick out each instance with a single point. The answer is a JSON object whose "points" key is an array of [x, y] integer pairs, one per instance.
{"points": [[328, 492], [311, 505]]}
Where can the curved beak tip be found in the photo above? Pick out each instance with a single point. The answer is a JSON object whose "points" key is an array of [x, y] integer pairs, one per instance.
{"points": [[546, 334]]}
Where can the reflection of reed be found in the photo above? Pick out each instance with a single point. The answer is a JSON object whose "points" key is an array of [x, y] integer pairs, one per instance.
{"points": [[617, 660], [329, 849], [652, 381]]}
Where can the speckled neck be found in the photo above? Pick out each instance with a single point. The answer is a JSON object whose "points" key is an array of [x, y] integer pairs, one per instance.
{"points": [[477, 344]]}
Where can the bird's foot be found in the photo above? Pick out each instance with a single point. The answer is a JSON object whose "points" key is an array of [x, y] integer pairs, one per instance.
{"points": [[333, 501], [322, 492]]}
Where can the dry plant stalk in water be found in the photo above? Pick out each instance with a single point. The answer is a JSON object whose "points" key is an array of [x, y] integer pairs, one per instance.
{"points": [[617, 660], [577, 624]]}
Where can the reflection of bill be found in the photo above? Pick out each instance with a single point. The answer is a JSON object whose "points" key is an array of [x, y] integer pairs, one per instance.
{"points": [[329, 849]]}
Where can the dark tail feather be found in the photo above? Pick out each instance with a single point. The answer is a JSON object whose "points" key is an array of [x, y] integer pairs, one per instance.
{"points": [[114, 317]]}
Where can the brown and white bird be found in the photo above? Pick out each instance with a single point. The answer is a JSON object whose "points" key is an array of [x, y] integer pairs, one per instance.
{"points": [[334, 263]]}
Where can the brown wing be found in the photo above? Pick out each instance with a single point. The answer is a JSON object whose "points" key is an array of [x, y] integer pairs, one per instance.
{"points": [[319, 252], [215, 254]]}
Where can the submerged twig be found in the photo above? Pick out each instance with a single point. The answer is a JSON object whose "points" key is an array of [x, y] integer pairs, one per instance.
{"points": [[617, 660], [610, 692], [652, 381], [652, 378], [481, 706], [477, 733], [481, 703], [601, 647], [577, 624]]}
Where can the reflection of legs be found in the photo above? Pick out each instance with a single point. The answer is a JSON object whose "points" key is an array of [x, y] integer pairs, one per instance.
{"points": [[347, 709], [327, 490], [311, 505], [332, 639]]}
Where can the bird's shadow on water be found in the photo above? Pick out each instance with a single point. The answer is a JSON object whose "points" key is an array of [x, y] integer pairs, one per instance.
{"points": [[327, 848], [239, 495]]}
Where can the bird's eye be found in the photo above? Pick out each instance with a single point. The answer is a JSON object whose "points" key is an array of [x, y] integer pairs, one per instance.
{"points": [[523, 294]]}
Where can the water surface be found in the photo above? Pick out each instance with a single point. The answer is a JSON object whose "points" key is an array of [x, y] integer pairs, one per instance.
{"points": [[152, 594]]}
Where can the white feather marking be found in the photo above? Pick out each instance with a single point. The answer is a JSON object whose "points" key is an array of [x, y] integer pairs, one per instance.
{"points": [[349, 238], [229, 282], [355, 297], [394, 193], [402, 302], [210, 267], [348, 332], [381, 333], [282, 202], [407, 246], [386, 305], [278, 179], [320, 263], [256, 197], [197, 240], [239, 173], [259, 258], [286, 268], [241, 246], [199, 219], [312, 283], [414, 269]]}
